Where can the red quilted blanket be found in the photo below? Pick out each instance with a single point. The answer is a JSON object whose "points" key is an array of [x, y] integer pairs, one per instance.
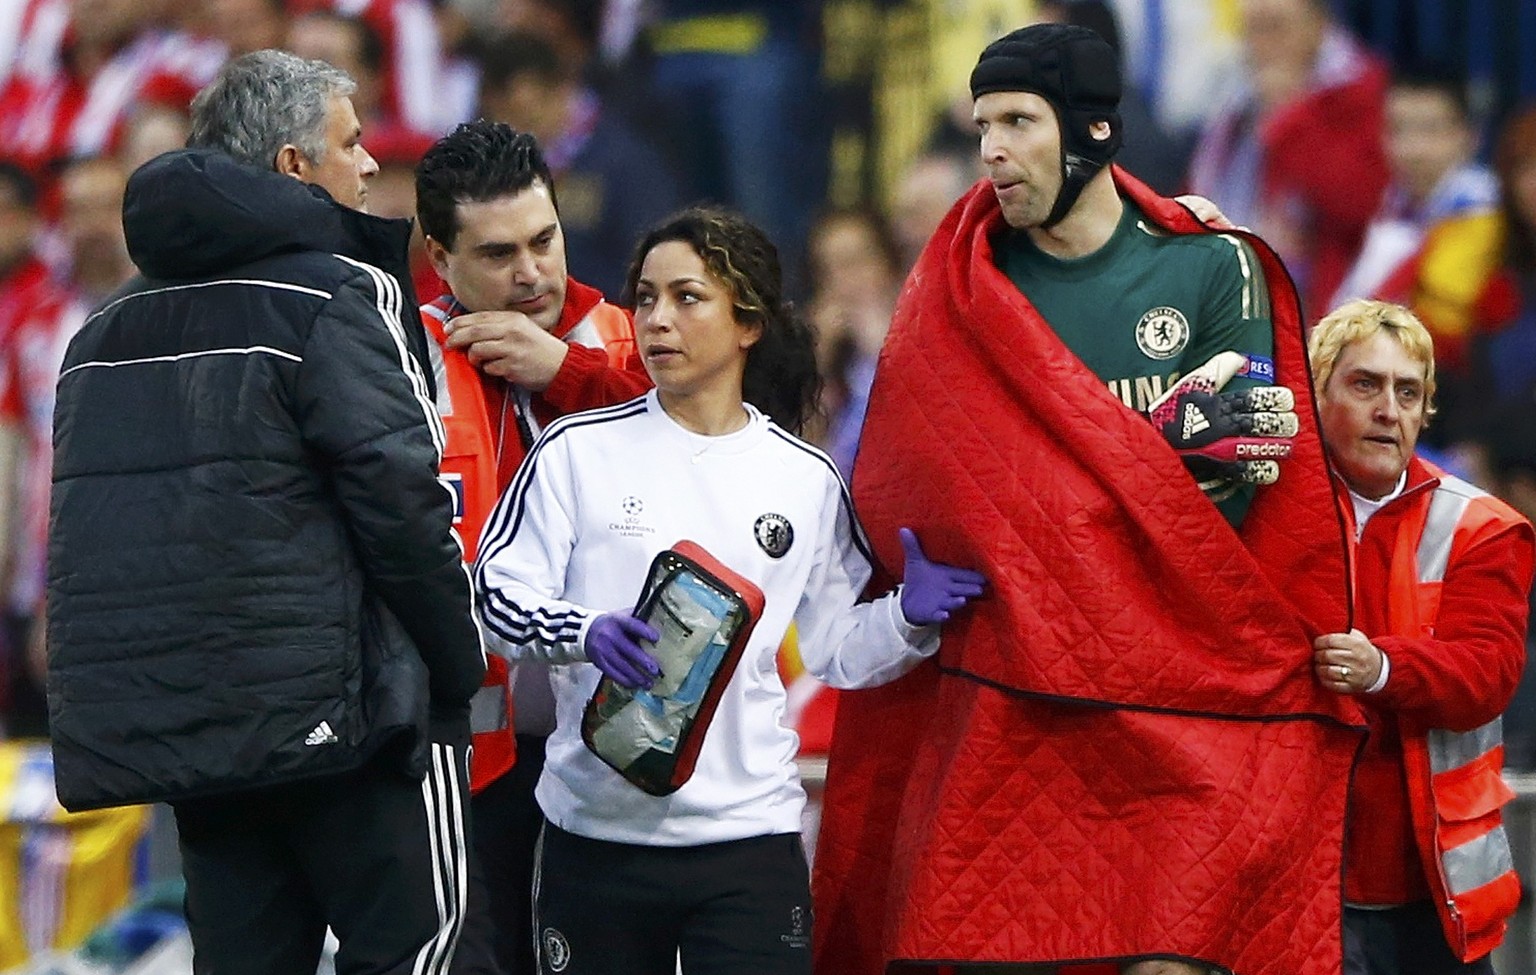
{"points": [[1120, 751]]}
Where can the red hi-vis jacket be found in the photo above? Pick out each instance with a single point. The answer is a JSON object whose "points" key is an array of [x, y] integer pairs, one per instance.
{"points": [[469, 472], [1444, 576], [485, 443]]}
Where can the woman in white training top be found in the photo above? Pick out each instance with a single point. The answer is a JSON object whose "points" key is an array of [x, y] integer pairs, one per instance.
{"points": [[714, 871]]}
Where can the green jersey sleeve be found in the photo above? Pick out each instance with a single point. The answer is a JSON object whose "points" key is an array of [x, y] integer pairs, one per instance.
{"points": [[1234, 315]]}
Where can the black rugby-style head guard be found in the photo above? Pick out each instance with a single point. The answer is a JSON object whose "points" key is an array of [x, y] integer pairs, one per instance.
{"points": [[1075, 70]]}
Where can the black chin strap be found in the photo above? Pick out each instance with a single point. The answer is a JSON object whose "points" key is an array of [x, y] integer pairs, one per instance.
{"points": [[1082, 156], [1076, 171]]}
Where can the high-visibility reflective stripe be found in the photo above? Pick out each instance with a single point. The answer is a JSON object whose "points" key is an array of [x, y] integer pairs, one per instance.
{"points": [[1447, 749], [1445, 511], [1477, 862], [1452, 749], [1472, 882], [1486, 858], [488, 709]]}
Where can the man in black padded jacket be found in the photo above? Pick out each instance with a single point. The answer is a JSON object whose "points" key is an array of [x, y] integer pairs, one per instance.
{"points": [[257, 608]]}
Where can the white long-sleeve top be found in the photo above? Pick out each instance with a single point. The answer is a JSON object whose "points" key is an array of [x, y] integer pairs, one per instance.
{"points": [[600, 494]]}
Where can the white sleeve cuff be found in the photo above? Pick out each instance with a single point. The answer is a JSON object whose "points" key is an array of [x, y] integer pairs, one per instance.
{"points": [[1381, 679], [924, 638], [587, 619]]}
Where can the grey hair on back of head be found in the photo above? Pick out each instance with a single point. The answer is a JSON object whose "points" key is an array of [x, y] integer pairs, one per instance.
{"points": [[263, 101]]}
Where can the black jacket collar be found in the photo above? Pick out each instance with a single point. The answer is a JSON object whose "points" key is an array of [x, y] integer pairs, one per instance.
{"points": [[193, 213]]}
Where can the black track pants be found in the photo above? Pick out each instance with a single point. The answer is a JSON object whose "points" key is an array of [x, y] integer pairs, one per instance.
{"points": [[377, 856]]}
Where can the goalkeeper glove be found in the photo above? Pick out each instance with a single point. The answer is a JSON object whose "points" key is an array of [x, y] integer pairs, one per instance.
{"points": [[1231, 437]]}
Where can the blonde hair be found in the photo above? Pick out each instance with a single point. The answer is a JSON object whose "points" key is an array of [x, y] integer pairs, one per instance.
{"points": [[1358, 320]]}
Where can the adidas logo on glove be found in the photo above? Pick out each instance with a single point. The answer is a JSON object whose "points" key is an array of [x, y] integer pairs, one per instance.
{"points": [[322, 735], [1194, 420]]}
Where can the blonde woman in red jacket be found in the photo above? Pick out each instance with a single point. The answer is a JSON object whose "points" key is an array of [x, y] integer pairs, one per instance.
{"points": [[1443, 573]]}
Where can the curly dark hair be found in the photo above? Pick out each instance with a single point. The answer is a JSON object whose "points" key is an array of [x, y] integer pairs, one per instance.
{"points": [[476, 162], [781, 377]]}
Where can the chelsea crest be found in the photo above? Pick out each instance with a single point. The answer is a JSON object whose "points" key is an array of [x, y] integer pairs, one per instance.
{"points": [[1162, 333], [774, 534]]}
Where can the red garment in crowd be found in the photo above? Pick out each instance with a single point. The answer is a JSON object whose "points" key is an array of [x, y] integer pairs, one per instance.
{"points": [[41, 317], [22, 289], [415, 72], [1120, 750], [1457, 649], [32, 49], [1323, 158], [45, 117], [1321, 171]]}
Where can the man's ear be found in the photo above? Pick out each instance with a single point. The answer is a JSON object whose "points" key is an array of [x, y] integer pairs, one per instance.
{"points": [[291, 161], [438, 255]]}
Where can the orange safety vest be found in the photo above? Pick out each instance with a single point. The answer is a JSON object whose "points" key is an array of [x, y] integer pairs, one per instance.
{"points": [[469, 472], [1455, 782]]}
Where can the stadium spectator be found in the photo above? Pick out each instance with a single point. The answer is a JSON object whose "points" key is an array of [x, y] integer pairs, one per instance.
{"points": [[613, 183], [246, 25], [1150, 153], [1181, 54], [91, 222], [32, 303], [855, 276], [1509, 353], [422, 88], [571, 27], [737, 91], [351, 44], [928, 186], [150, 129], [108, 55], [1435, 242], [1295, 152]]}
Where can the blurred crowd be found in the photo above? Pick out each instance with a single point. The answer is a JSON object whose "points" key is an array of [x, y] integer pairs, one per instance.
{"points": [[840, 126]]}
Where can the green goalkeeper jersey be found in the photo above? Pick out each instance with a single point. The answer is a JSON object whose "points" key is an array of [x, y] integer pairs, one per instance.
{"points": [[1148, 307]]}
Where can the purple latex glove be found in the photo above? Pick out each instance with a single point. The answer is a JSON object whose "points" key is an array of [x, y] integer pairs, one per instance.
{"points": [[930, 591], [613, 645]]}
